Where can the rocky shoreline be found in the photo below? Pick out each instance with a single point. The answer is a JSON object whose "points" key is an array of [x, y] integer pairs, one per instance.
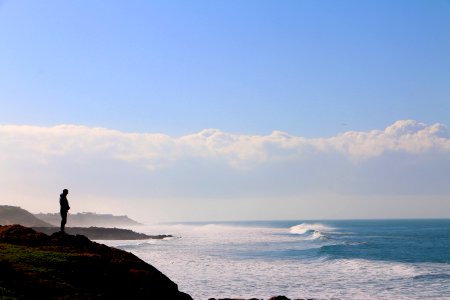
{"points": [[102, 233], [34, 265]]}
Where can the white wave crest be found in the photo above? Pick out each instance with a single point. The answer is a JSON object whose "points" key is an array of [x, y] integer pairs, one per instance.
{"points": [[306, 228], [317, 235]]}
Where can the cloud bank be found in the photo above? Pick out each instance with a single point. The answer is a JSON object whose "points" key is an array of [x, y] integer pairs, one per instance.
{"points": [[240, 151], [138, 171]]}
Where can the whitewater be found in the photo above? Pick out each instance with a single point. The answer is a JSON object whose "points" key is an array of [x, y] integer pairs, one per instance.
{"points": [[362, 259]]}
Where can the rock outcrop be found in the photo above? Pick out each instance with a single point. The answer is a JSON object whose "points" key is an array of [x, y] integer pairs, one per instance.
{"points": [[101, 233], [34, 265]]}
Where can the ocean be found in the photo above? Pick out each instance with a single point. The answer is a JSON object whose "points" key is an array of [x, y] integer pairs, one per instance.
{"points": [[352, 259]]}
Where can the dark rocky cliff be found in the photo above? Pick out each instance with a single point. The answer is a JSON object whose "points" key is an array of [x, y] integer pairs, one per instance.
{"points": [[37, 266]]}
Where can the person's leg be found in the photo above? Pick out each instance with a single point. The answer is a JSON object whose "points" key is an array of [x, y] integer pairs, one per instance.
{"points": [[63, 220]]}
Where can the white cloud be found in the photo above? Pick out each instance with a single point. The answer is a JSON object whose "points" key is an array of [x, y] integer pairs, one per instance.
{"points": [[403, 136], [156, 151]]}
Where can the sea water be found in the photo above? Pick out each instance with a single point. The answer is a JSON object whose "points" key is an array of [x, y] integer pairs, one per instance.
{"points": [[358, 259]]}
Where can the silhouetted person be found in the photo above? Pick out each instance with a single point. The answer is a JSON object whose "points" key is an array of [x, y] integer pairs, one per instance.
{"points": [[64, 208]]}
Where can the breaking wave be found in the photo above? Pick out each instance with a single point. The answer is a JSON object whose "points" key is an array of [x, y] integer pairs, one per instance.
{"points": [[312, 231]]}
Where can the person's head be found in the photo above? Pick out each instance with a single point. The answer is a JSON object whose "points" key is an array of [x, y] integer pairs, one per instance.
{"points": [[65, 191]]}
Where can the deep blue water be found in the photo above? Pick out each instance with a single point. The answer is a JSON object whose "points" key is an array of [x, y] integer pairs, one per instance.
{"points": [[421, 240], [392, 240]]}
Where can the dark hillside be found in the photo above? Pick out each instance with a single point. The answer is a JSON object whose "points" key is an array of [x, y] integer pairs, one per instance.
{"points": [[15, 215]]}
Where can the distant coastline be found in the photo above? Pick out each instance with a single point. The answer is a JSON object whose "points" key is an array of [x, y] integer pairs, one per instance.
{"points": [[94, 226], [87, 219]]}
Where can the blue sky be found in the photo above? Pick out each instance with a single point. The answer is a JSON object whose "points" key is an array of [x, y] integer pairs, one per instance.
{"points": [[306, 67], [313, 69]]}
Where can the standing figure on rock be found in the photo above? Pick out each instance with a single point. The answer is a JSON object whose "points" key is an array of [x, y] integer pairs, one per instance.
{"points": [[64, 208]]}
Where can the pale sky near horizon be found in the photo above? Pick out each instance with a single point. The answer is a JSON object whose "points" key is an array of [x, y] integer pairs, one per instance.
{"points": [[227, 110]]}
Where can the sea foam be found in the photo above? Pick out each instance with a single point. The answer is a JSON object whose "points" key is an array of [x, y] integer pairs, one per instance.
{"points": [[226, 260]]}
